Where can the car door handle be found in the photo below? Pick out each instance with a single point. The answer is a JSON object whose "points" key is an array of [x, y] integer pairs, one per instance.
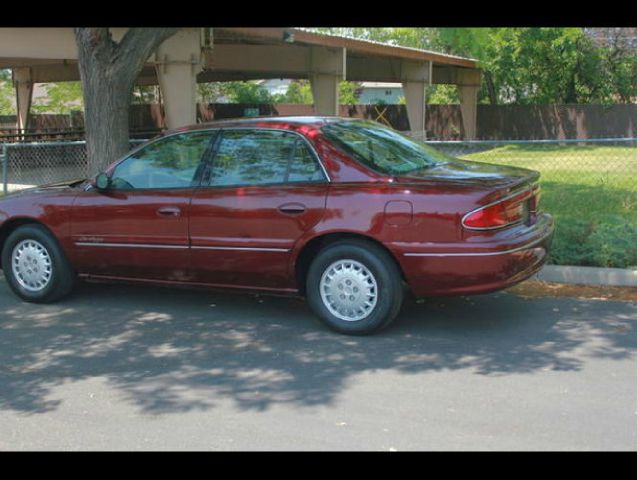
{"points": [[292, 208], [169, 211]]}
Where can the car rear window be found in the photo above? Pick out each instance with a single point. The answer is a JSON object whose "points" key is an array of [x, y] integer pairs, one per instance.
{"points": [[382, 149]]}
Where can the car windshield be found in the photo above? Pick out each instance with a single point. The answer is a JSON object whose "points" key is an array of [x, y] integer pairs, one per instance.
{"points": [[382, 149]]}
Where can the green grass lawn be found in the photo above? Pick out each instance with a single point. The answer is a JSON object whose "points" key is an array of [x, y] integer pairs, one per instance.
{"points": [[592, 193]]}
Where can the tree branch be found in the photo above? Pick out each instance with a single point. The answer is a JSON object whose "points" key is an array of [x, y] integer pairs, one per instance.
{"points": [[108, 71], [138, 44]]}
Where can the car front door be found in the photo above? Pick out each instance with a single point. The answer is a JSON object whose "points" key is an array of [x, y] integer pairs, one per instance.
{"points": [[138, 227], [263, 189]]}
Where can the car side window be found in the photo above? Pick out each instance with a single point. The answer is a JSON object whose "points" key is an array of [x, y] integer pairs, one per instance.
{"points": [[261, 157], [167, 163]]}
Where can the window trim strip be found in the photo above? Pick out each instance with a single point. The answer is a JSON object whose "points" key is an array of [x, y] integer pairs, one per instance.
{"points": [[179, 247], [253, 249], [129, 245]]}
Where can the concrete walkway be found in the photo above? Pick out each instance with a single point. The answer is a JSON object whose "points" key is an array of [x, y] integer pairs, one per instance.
{"points": [[619, 277]]}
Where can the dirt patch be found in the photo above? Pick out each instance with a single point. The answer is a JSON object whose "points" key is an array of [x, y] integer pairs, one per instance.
{"points": [[537, 289]]}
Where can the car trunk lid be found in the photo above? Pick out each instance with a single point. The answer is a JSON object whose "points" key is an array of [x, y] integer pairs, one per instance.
{"points": [[474, 175]]}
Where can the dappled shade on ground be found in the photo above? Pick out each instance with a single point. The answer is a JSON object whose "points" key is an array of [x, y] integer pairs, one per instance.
{"points": [[538, 289], [170, 351]]}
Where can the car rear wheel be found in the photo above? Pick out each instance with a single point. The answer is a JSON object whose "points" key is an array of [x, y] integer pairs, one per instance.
{"points": [[35, 266], [354, 287]]}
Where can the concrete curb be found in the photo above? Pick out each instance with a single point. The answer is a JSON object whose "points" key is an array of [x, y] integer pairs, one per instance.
{"points": [[617, 277]]}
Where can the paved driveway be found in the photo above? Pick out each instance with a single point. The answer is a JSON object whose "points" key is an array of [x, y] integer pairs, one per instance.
{"points": [[120, 367]]}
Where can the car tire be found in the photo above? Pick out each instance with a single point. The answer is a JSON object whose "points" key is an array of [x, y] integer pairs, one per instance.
{"points": [[35, 266], [354, 287]]}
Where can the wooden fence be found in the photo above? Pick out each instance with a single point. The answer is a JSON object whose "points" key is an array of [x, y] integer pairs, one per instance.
{"points": [[443, 122]]}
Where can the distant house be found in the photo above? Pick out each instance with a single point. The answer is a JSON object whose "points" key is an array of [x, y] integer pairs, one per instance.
{"points": [[622, 37], [275, 86], [380, 92]]}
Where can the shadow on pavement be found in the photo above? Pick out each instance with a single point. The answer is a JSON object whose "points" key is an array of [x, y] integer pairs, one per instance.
{"points": [[175, 351]]}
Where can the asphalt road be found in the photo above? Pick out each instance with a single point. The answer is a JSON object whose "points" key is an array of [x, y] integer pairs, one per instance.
{"points": [[141, 368]]}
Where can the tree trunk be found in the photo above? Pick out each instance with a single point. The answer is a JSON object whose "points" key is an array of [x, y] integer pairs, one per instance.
{"points": [[491, 92], [570, 95], [106, 117], [108, 71]]}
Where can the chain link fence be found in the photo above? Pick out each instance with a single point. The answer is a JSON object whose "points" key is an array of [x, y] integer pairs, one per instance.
{"points": [[576, 175], [590, 186], [602, 162], [599, 162], [26, 165]]}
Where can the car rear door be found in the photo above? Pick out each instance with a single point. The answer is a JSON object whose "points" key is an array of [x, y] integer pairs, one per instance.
{"points": [[262, 190], [138, 228]]}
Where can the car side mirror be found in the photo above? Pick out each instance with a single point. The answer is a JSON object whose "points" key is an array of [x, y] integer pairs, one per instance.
{"points": [[102, 181]]}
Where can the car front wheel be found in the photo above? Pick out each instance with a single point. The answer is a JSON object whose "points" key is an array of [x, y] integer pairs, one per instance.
{"points": [[354, 287], [35, 266]]}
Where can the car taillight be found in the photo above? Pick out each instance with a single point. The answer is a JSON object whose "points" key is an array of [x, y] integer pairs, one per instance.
{"points": [[507, 211]]}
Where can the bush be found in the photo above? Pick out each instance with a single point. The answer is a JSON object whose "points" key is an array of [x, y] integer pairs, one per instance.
{"points": [[610, 242], [615, 243]]}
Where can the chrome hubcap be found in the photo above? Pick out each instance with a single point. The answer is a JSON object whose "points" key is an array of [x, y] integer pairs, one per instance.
{"points": [[349, 290], [31, 265]]}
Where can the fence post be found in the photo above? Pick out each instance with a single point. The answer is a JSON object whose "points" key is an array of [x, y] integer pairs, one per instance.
{"points": [[5, 169]]}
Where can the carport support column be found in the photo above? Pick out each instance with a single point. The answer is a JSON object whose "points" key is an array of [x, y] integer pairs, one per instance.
{"points": [[179, 61], [415, 78], [325, 93], [415, 97], [469, 109], [327, 70], [24, 94]]}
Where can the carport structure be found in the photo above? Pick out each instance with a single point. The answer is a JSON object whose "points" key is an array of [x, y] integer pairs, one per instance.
{"points": [[197, 55]]}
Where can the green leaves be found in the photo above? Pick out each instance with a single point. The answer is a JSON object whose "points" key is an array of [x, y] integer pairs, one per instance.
{"points": [[608, 243], [61, 97], [548, 65], [248, 92], [299, 91], [7, 94], [347, 93]]}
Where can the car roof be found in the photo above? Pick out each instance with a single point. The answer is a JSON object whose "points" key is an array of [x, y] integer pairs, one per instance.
{"points": [[269, 121]]}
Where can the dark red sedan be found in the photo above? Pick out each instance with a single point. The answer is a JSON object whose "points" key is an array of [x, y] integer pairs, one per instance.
{"points": [[349, 213]]}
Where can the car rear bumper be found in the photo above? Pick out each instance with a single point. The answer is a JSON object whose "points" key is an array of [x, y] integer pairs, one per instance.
{"points": [[472, 269]]}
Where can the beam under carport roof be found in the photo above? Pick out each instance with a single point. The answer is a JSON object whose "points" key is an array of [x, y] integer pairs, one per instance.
{"points": [[351, 44], [255, 53]]}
